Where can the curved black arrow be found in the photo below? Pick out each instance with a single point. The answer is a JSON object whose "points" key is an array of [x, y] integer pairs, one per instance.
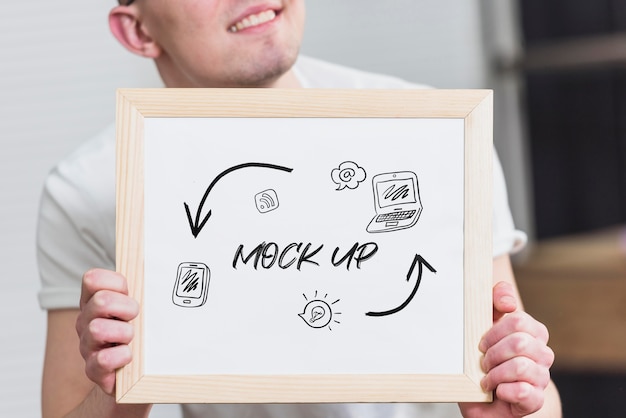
{"points": [[197, 225], [417, 259]]}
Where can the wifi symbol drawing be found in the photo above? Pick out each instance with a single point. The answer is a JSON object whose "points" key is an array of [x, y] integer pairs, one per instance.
{"points": [[266, 201]]}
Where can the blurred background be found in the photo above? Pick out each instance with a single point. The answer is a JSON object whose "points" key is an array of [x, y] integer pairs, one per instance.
{"points": [[558, 70]]}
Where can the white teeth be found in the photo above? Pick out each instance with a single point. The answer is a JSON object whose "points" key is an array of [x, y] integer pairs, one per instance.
{"points": [[253, 20]]}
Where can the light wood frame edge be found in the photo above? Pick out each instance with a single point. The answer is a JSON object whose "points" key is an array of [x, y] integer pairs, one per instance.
{"points": [[478, 200], [474, 106], [129, 228]]}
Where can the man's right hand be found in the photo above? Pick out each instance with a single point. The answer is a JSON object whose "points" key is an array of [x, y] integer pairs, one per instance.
{"points": [[102, 325]]}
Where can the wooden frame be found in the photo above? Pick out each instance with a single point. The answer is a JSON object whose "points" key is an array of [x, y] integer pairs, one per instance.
{"points": [[473, 106]]}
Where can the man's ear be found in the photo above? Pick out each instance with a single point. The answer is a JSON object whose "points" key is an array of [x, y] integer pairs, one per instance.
{"points": [[127, 28]]}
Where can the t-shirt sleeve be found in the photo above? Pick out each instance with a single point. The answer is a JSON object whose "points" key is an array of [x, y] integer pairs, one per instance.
{"points": [[75, 228], [506, 238]]}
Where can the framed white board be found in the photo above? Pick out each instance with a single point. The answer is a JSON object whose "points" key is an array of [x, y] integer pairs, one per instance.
{"points": [[305, 245]]}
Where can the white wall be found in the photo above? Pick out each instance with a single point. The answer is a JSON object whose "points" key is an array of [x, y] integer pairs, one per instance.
{"points": [[58, 72], [59, 69], [431, 42]]}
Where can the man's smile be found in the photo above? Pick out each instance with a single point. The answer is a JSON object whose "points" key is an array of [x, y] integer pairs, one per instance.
{"points": [[252, 20]]}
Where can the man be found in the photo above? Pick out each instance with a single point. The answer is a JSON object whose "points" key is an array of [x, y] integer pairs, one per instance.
{"points": [[227, 43]]}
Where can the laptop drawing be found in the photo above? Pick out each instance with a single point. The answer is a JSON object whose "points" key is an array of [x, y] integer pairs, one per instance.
{"points": [[397, 201]]}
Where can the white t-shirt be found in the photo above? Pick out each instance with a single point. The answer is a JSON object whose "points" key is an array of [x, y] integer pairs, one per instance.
{"points": [[76, 232]]}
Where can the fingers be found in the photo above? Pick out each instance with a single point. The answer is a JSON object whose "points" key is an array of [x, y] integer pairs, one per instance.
{"points": [[511, 400], [109, 304], [516, 357], [524, 398], [102, 326], [104, 295], [517, 322], [519, 344], [100, 366], [504, 299], [98, 279], [518, 369], [511, 346], [104, 333]]}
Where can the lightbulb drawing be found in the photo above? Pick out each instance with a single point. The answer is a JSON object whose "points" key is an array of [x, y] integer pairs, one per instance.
{"points": [[318, 313]]}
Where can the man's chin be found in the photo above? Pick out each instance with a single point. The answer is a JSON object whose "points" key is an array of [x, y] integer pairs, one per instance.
{"points": [[267, 71]]}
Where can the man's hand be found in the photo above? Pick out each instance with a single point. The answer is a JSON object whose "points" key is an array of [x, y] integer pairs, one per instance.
{"points": [[102, 326], [516, 359]]}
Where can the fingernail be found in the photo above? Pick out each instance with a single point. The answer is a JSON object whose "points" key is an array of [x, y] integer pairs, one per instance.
{"points": [[508, 301], [483, 383], [482, 346]]}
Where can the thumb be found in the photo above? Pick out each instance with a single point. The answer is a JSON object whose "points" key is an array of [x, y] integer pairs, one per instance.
{"points": [[504, 300]]}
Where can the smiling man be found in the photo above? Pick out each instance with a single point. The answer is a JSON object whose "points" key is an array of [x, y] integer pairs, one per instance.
{"points": [[230, 43], [215, 43]]}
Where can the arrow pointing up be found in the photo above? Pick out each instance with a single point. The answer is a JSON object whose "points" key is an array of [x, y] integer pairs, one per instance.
{"points": [[197, 225], [417, 259]]}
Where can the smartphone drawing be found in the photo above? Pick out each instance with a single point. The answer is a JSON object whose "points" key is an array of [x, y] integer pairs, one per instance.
{"points": [[192, 285]]}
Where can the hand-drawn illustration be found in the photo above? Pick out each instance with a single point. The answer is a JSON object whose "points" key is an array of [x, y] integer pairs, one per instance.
{"points": [[197, 225], [349, 175], [266, 201], [396, 200], [417, 259], [318, 313], [192, 285]]}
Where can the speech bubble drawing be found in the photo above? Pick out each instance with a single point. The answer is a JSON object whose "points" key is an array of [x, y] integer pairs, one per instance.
{"points": [[349, 175], [318, 313]]}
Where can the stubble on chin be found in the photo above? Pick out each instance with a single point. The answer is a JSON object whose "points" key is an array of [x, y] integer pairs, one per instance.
{"points": [[265, 70]]}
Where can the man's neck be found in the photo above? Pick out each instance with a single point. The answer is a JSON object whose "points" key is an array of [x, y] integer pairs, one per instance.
{"points": [[287, 80]]}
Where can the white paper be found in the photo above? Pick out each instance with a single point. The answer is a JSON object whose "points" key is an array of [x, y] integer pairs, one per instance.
{"points": [[293, 184]]}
